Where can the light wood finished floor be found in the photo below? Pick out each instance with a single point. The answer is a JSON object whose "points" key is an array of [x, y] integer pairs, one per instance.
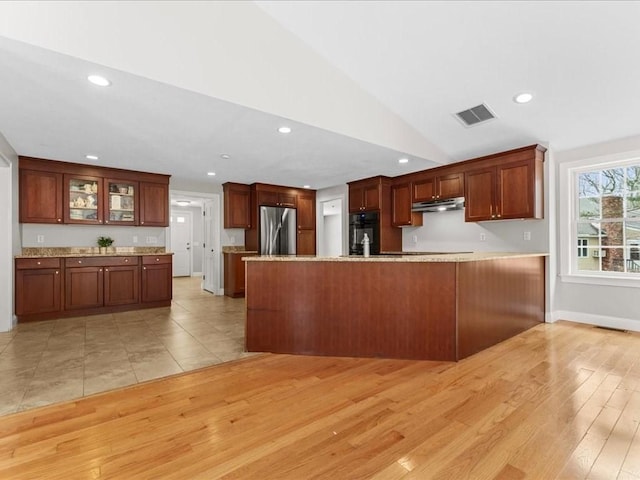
{"points": [[558, 401]]}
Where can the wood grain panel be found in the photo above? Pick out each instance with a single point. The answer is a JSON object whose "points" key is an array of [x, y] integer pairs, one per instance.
{"points": [[498, 299], [369, 309]]}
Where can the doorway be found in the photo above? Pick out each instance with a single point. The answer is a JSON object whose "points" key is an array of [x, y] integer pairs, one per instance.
{"points": [[181, 241], [331, 241]]}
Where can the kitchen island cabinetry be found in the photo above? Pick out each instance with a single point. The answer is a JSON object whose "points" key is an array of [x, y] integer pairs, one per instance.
{"points": [[430, 307], [505, 186], [237, 202], [38, 286]]}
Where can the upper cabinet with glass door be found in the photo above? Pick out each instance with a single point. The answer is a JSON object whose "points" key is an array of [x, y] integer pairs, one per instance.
{"points": [[121, 202], [83, 199]]}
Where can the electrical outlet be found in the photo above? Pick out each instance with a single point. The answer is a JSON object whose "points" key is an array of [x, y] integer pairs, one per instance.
{"points": [[526, 235], [415, 239], [483, 237], [232, 240], [40, 239], [135, 239], [152, 240]]}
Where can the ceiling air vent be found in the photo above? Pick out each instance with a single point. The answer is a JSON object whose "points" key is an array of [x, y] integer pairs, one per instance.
{"points": [[475, 115]]}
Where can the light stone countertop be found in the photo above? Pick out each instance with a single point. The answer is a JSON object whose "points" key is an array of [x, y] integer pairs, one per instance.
{"points": [[36, 252], [442, 257]]}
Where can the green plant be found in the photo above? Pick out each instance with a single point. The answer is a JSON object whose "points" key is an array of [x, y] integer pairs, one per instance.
{"points": [[105, 241]]}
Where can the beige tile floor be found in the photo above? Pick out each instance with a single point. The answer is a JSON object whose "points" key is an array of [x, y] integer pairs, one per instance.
{"points": [[57, 360]]}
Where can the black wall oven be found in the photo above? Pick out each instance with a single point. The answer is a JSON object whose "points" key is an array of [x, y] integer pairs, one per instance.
{"points": [[359, 224]]}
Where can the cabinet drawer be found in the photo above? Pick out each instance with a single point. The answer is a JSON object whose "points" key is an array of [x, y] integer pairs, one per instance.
{"points": [[156, 259], [100, 261], [27, 263]]}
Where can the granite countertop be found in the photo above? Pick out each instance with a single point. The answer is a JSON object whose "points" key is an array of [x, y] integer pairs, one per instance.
{"points": [[236, 249], [439, 257], [33, 252]]}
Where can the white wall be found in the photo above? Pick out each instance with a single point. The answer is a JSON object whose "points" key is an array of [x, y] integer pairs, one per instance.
{"points": [[323, 195], [600, 304], [87, 235], [448, 232], [9, 239]]}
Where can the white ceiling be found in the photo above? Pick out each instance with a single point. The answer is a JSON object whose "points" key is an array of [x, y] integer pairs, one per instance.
{"points": [[421, 61]]}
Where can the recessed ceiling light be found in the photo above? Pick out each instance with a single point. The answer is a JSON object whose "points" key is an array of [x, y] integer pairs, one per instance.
{"points": [[306, 186], [403, 160], [91, 157], [211, 174], [98, 80], [183, 203], [225, 156], [284, 130], [523, 98]]}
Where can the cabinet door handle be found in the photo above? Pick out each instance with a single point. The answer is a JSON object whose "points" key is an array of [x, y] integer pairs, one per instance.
{"points": [[106, 221], [126, 260], [144, 268], [79, 261], [141, 223], [99, 221], [38, 263], [59, 219], [57, 272], [498, 215], [106, 270], [100, 270], [157, 259]]}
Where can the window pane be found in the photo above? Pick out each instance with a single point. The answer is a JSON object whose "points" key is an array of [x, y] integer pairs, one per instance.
{"points": [[589, 207], [591, 261], [612, 259], [633, 266], [612, 233], [612, 181], [633, 205], [589, 184], [633, 178], [612, 206]]}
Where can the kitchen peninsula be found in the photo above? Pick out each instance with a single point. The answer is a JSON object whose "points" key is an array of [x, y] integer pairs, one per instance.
{"points": [[427, 307]]}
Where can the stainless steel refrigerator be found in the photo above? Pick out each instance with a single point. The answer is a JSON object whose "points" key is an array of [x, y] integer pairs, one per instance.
{"points": [[277, 231]]}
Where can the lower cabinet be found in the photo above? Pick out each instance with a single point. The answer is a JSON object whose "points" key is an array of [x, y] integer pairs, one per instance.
{"points": [[234, 273], [49, 287], [38, 286], [92, 282], [157, 279]]}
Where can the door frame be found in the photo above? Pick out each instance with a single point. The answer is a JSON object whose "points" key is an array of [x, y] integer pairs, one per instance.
{"points": [[216, 226], [186, 213]]}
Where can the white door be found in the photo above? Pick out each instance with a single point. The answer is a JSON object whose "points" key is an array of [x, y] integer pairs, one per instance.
{"points": [[181, 242], [331, 242], [211, 243]]}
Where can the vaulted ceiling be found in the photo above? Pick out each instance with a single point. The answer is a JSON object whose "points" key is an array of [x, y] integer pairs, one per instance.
{"points": [[361, 84]]}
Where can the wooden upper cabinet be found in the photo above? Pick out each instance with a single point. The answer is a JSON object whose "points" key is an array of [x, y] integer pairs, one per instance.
{"points": [[154, 204], [306, 217], [83, 199], [61, 192], [306, 211], [506, 186], [275, 198], [237, 204], [40, 197], [438, 187], [401, 214], [365, 194]]}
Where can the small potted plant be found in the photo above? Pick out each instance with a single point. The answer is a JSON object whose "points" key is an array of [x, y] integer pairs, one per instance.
{"points": [[104, 242]]}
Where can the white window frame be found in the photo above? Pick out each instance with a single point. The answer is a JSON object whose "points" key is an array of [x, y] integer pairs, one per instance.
{"points": [[567, 212]]}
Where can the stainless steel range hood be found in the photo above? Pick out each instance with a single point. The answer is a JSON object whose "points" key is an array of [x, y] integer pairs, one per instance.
{"points": [[439, 205]]}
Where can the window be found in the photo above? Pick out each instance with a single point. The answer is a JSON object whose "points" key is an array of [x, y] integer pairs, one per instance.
{"points": [[582, 247], [606, 223]]}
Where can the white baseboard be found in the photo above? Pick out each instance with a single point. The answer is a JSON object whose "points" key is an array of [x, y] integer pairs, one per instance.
{"points": [[599, 320]]}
